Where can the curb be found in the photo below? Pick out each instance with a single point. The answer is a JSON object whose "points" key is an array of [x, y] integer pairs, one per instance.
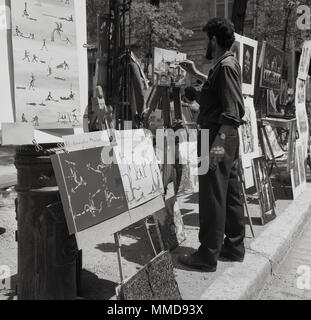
{"points": [[245, 281]]}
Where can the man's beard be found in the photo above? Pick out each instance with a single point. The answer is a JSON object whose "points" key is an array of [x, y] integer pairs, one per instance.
{"points": [[209, 53]]}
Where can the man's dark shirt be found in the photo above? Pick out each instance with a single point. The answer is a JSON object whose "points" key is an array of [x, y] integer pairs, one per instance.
{"points": [[221, 97]]}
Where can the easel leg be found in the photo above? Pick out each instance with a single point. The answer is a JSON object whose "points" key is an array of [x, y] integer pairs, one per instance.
{"points": [[118, 246], [159, 234], [247, 211], [150, 238]]}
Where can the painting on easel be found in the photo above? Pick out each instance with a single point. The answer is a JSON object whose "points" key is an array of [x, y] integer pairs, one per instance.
{"points": [[46, 68], [166, 67]]}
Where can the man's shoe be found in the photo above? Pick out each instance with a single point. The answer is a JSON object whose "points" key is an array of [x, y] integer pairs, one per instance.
{"points": [[195, 261], [227, 255]]}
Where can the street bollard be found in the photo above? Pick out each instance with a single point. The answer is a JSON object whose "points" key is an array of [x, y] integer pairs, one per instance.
{"points": [[48, 256]]}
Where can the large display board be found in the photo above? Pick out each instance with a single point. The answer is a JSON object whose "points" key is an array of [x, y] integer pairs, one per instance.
{"points": [[46, 66], [6, 80]]}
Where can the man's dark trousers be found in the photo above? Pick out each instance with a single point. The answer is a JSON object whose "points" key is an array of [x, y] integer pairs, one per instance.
{"points": [[220, 203]]}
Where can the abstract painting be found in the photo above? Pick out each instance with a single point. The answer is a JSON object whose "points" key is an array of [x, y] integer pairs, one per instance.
{"points": [[249, 147], [46, 68], [138, 165], [166, 68], [91, 189]]}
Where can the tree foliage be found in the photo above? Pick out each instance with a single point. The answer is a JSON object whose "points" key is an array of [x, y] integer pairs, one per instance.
{"points": [[157, 26], [273, 16]]}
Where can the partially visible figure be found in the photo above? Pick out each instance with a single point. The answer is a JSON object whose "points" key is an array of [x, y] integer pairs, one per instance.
{"points": [[290, 108], [191, 108]]}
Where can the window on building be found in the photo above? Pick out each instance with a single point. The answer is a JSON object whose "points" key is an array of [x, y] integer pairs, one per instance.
{"points": [[223, 8]]}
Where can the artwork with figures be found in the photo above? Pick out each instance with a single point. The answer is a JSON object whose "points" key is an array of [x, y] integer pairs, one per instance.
{"points": [[248, 132], [6, 79], [298, 173], [138, 165], [166, 67], [301, 113], [264, 189], [304, 62], [46, 68], [91, 190], [272, 66]]}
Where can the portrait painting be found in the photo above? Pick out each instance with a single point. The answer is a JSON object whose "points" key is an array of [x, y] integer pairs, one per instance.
{"points": [[248, 58]]}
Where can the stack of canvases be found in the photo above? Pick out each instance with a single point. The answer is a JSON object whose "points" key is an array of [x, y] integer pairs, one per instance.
{"points": [[245, 50], [298, 174]]}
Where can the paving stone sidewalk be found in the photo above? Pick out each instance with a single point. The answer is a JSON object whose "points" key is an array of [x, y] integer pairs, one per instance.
{"points": [[283, 285]]}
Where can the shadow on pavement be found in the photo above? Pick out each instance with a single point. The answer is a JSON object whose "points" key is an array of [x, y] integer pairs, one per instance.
{"points": [[94, 288]]}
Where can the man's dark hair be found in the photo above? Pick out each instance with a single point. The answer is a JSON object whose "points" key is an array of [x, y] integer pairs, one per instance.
{"points": [[223, 30]]}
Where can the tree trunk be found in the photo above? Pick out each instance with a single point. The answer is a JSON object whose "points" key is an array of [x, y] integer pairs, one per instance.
{"points": [[238, 15]]}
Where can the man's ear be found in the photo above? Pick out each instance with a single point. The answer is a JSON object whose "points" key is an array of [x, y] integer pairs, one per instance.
{"points": [[214, 41]]}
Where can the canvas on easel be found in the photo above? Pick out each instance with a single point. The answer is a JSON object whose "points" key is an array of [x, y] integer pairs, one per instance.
{"points": [[46, 64], [166, 67]]}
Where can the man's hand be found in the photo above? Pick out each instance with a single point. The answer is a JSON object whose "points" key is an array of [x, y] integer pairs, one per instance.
{"points": [[189, 66], [217, 153]]}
